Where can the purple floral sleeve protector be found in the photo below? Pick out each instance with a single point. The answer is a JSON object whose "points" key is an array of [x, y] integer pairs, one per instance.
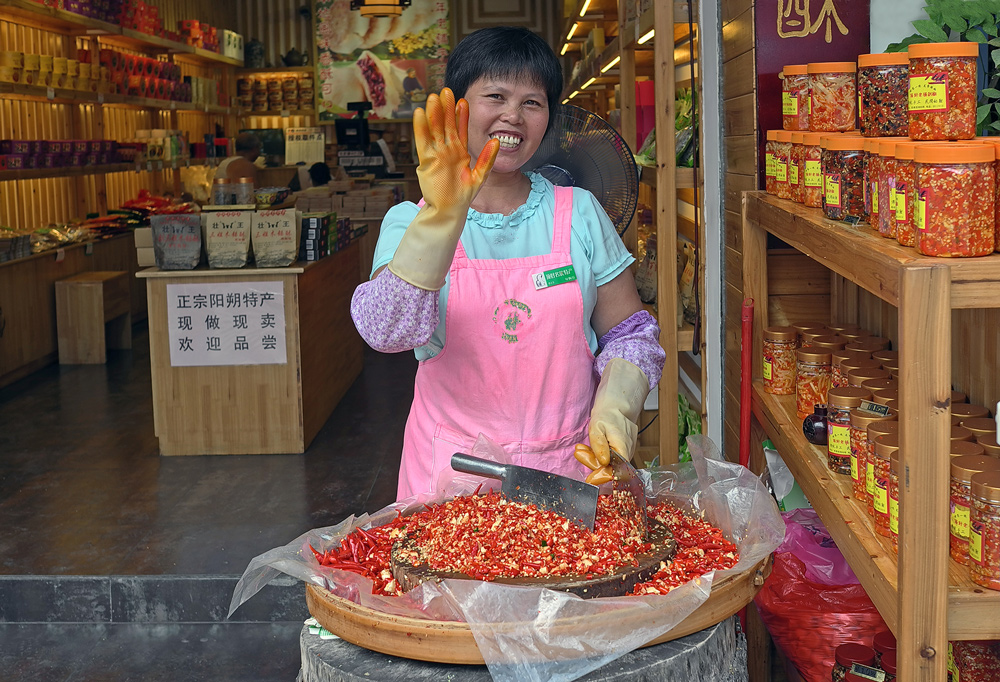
{"points": [[392, 315], [635, 339]]}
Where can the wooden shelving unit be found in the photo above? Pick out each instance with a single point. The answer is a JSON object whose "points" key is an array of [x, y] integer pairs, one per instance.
{"points": [[926, 598], [99, 169], [656, 45]]}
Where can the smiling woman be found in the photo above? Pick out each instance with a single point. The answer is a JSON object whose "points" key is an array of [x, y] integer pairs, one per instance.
{"points": [[505, 286]]}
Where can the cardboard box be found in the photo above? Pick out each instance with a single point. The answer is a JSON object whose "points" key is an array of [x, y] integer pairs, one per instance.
{"points": [[145, 254]]}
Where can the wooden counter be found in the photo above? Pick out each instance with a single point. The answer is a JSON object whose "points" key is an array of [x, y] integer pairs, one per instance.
{"points": [[259, 408]]}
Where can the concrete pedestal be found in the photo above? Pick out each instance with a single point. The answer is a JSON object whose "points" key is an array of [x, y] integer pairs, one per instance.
{"points": [[715, 654]]}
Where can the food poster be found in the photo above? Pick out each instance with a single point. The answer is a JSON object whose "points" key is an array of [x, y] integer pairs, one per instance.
{"points": [[392, 62]]}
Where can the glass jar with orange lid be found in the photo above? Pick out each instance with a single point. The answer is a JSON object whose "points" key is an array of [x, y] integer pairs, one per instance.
{"points": [[984, 529], [770, 148], [840, 402], [780, 344], [963, 468], [905, 184], [782, 154], [812, 379], [861, 447], [795, 97], [887, 182], [942, 91], [894, 500], [843, 176], [883, 88], [873, 166], [838, 377], [996, 196], [953, 206], [968, 410], [795, 163], [980, 426], [856, 377], [811, 174], [883, 448], [833, 95]]}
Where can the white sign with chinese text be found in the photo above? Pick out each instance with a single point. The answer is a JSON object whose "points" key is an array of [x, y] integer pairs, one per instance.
{"points": [[228, 323]]}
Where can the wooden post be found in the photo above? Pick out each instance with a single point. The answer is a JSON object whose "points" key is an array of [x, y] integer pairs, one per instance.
{"points": [[755, 280], [925, 389]]}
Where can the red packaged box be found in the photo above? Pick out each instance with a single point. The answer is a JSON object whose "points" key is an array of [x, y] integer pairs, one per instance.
{"points": [[149, 66]]}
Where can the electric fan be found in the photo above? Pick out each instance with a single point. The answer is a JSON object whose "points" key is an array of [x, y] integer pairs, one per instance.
{"points": [[581, 149]]}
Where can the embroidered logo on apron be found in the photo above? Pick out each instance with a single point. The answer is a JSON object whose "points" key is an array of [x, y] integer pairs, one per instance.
{"points": [[511, 318]]}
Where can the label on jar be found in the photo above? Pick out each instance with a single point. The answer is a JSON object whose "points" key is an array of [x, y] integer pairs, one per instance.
{"points": [[960, 521], [793, 173], [781, 170], [769, 164], [901, 216], [854, 467], [976, 542], [920, 209], [892, 198], [870, 479], [814, 174], [874, 196], [929, 92], [831, 185], [839, 440], [767, 368], [881, 502], [894, 516], [789, 104]]}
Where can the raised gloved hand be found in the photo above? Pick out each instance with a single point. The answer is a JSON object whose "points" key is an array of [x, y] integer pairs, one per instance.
{"points": [[615, 415], [441, 135]]}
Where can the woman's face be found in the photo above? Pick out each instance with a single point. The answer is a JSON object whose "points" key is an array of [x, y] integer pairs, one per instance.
{"points": [[516, 112]]}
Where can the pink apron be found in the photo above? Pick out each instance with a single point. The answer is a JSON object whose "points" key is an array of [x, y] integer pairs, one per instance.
{"points": [[516, 366]]}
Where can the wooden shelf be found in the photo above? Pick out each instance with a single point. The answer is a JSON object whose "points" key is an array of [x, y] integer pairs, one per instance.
{"points": [[861, 255], [246, 71], [972, 610], [77, 171], [291, 112], [64, 96], [685, 177]]}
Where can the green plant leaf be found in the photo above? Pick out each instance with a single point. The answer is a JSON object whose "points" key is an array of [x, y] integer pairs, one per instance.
{"points": [[995, 55], [930, 30], [975, 35], [990, 29], [995, 125], [906, 42], [992, 93], [982, 112], [956, 23], [995, 42]]}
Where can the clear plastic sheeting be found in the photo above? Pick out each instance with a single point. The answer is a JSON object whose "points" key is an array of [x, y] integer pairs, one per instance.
{"points": [[527, 633]]}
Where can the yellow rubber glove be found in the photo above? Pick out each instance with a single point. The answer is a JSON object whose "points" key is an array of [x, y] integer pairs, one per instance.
{"points": [[448, 183], [615, 415]]}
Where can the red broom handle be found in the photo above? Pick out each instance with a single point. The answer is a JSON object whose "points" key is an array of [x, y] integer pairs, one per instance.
{"points": [[746, 377]]}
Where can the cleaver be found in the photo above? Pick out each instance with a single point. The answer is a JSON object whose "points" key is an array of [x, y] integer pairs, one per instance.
{"points": [[575, 500]]}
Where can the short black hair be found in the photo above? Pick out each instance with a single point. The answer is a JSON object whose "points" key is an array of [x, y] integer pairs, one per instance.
{"points": [[319, 173], [504, 52]]}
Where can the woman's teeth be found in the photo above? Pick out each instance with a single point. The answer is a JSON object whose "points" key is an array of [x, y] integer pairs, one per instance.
{"points": [[508, 141]]}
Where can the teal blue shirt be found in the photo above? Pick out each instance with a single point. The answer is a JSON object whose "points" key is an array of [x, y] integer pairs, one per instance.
{"points": [[596, 249]]}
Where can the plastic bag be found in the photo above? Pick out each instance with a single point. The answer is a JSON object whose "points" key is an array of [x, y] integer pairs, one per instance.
{"points": [[806, 611], [514, 626]]}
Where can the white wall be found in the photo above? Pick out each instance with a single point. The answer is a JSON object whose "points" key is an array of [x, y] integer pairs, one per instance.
{"points": [[890, 21]]}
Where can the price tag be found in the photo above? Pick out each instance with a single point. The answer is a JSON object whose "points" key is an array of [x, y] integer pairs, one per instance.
{"points": [[149, 165], [50, 93], [60, 255], [285, 113]]}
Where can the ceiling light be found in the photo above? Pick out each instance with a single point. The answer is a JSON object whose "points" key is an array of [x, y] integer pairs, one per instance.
{"points": [[610, 64], [646, 37]]}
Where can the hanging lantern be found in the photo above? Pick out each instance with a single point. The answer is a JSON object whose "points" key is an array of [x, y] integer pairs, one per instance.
{"points": [[380, 8]]}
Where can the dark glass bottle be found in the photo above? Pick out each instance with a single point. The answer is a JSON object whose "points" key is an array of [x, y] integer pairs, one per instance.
{"points": [[814, 426]]}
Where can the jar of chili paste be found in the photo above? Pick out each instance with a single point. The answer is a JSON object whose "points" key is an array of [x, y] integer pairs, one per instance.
{"points": [[795, 167], [770, 147], [833, 94], [779, 360], [894, 500], [812, 379], [942, 91], [863, 445], [838, 377], [984, 529], [887, 183], [882, 449], [996, 197], [840, 402], [953, 205], [782, 154], [843, 177], [905, 181], [795, 97], [873, 166], [963, 468], [883, 87], [811, 175]]}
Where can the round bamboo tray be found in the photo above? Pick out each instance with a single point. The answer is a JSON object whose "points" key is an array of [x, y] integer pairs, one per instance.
{"points": [[453, 642]]}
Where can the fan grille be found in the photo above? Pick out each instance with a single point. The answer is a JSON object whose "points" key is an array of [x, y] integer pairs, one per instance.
{"points": [[582, 150]]}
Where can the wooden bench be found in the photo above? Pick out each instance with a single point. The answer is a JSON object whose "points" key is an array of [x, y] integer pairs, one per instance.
{"points": [[93, 313]]}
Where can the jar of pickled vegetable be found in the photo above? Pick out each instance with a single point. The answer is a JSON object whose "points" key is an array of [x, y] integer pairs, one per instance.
{"points": [[812, 379], [887, 183], [953, 206], [883, 396], [960, 448], [980, 426], [846, 654], [968, 410], [857, 360], [963, 468], [830, 342], [854, 333], [795, 97], [795, 167], [812, 170], [838, 377], [833, 94], [884, 446], [782, 154], [862, 446], [809, 326], [870, 343], [984, 529], [942, 91], [779, 360], [883, 88], [894, 500], [996, 196], [961, 433], [990, 445], [876, 385], [891, 356], [770, 148], [843, 177], [958, 397], [905, 183], [856, 377], [840, 402], [873, 166]]}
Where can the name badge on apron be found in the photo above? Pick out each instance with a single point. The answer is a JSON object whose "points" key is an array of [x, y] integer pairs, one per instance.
{"points": [[550, 278]]}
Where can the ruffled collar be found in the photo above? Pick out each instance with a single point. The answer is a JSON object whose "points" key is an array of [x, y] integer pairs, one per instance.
{"points": [[539, 186]]}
